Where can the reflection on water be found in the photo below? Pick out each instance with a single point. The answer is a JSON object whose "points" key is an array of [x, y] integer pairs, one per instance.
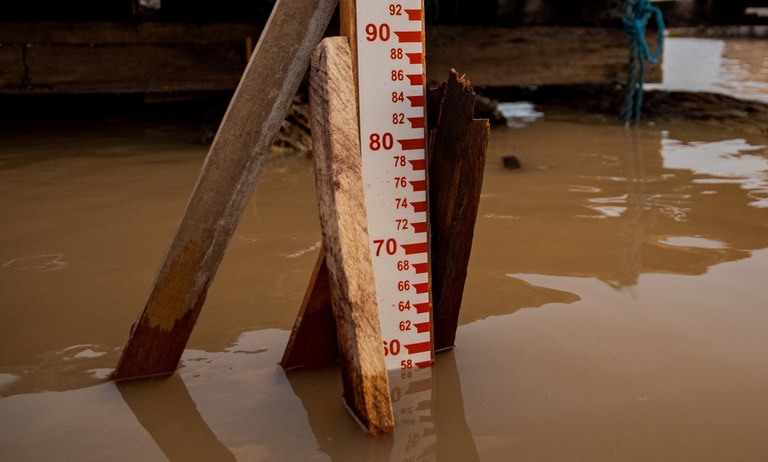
{"points": [[614, 307], [693, 241], [428, 409], [735, 67], [603, 202], [239, 405], [165, 409], [727, 161], [519, 113]]}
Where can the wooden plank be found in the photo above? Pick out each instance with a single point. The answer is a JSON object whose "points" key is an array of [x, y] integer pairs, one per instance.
{"points": [[456, 158], [348, 27], [313, 341], [338, 176], [454, 437], [224, 186]]}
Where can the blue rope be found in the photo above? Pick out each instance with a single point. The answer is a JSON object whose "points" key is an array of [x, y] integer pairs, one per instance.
{"points": [[636, 15]]}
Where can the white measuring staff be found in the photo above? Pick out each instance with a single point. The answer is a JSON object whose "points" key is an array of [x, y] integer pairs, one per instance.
{"points": [[390, 48]]}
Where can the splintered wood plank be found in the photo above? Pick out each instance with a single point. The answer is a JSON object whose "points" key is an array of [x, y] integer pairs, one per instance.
{"points": [[341, 204], [313, 340], [225, 183], [456, 158]]}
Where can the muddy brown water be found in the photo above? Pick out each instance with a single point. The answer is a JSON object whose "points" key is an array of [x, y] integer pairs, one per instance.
{"points": [[615, 307]]}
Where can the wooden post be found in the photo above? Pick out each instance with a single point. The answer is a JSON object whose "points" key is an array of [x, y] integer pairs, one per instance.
{"points": [[313, 340], [348, 27], [226, 181], [456, 158], [338, 177]]}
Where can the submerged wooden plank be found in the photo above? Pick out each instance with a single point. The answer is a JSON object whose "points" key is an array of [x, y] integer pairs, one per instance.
{"points": [[456, 158], [338, 176], [224, 186], [313, 340]]}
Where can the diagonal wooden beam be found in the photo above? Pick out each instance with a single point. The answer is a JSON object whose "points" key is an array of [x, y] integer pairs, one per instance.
{"points": [[226, 181]]}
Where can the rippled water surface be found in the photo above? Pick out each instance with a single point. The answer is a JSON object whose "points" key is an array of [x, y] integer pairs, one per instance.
{"points": [[736, 67], [614, 310]]}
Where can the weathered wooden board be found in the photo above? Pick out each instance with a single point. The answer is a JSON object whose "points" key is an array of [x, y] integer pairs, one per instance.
{"points": [[338, 176], [456, 159], [348, 29], [224, 186], [313, 340]]}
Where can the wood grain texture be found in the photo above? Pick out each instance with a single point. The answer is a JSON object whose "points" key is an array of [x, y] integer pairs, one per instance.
{"points": [[225, 183], [313, 341], [456, 158], [338, 176]]}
